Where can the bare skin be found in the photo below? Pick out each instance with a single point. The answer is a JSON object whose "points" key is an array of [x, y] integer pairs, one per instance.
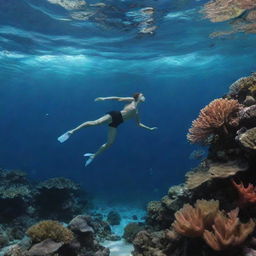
{"points": [[130, 111]]}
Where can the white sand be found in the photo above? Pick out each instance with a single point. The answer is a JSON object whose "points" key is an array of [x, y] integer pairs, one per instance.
{"points": [[119, 248]]}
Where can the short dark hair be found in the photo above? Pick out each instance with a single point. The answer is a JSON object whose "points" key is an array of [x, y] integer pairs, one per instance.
{"points": [[136, 95]]}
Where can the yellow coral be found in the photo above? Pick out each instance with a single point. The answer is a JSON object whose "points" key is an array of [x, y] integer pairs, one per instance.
{"points": [[50, 229]]}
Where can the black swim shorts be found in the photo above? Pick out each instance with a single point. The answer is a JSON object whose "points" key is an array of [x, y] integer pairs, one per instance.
{"points": [[117, 118]]}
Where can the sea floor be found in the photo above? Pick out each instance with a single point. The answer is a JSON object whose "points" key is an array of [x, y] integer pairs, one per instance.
{"points": [[121, 247]]}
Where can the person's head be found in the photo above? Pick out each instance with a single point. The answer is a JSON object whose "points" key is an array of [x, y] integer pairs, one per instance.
{"points": [[138, 96]]}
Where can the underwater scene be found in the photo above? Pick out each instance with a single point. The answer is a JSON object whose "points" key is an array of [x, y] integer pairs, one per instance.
{"points": [[128, 128]]}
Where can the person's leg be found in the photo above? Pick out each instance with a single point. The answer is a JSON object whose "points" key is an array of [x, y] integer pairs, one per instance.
{"points": [[102, 120], [110, 140]]}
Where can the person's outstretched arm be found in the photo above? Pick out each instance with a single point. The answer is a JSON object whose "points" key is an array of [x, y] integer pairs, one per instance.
{"points": [[143, 125], [115, 98]]}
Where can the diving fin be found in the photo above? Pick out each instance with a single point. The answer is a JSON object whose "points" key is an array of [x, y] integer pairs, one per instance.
{"points": [[63, 137], [90, 159]]}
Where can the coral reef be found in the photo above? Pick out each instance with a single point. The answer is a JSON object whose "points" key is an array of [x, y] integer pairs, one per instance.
{"points": [[49, 229], [209, 215], [228, 232], [15, 193], [131, 230], [65, 199], [247, 195], [214, 119]]}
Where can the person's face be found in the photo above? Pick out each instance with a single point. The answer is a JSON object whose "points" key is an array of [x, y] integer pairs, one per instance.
{"points": [[142, 97]]}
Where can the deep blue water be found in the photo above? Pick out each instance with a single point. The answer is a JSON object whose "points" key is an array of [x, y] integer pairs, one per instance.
{"points": [[52, 66]]}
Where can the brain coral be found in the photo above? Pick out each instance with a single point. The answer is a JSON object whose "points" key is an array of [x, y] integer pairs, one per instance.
{"points": [[50, 229]]}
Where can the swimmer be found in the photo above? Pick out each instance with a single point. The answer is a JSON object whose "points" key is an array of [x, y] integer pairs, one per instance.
{"points": [[113, 119]]}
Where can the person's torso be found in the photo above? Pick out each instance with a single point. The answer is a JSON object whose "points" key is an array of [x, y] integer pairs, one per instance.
{"points": [[129, 111]]}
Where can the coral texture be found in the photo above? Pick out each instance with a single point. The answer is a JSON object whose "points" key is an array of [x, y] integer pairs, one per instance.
{"points": [[192, 221], [189, 221], [214, 119], [248, 139], [50, 229], [228, 231], [247, 195], [214, 171]]}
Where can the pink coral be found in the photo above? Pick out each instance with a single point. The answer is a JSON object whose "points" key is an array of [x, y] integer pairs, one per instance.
{"points": [[214, 119]]}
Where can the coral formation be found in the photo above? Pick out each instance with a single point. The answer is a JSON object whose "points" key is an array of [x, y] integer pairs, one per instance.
{"points": [[230, 135], [49, 229], [228, 231], [247, 195], [189, 221], [214, 119], [248, 139], [213, 170], [65, 199], [131, 230]]}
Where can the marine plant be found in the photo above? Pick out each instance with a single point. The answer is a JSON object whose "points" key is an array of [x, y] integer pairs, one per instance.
{"points": [[214, 119], [50, 229], [228, 231]]}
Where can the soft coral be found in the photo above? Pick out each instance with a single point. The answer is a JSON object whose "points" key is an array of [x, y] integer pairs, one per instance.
{"points": [[247, 195]]}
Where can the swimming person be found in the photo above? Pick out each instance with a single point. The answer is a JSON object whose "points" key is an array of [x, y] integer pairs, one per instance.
{"points": [[113, 119]]}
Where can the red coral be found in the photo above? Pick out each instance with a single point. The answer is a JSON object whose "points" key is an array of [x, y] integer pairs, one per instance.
{"points": [[214, 119], [247, 195]]}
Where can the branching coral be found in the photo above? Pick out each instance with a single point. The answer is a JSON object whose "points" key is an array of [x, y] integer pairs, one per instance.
{"points": [[247, 194], [213, 119], [192, 221], [189, 221], [228, 231], [208, 209], [50, 229]]}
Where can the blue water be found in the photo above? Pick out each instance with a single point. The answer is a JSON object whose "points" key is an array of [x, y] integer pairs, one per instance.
{"points": [[53, 66]]}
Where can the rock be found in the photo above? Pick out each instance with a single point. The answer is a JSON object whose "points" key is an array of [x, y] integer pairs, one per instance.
{"points": [[79, 224], [4, 240], [134, 217], [46, 247], [113, 218], [131, 230], [248, 139], [249, 101]]}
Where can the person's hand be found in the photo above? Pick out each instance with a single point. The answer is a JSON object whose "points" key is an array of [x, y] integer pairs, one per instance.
{"points": [[153, 128], [99, 99]]}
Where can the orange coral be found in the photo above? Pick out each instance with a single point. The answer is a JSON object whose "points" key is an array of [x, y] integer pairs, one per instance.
{"points": [[246, 194], [228, 231], [192, 221], [189, 221], [213, 119]]}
